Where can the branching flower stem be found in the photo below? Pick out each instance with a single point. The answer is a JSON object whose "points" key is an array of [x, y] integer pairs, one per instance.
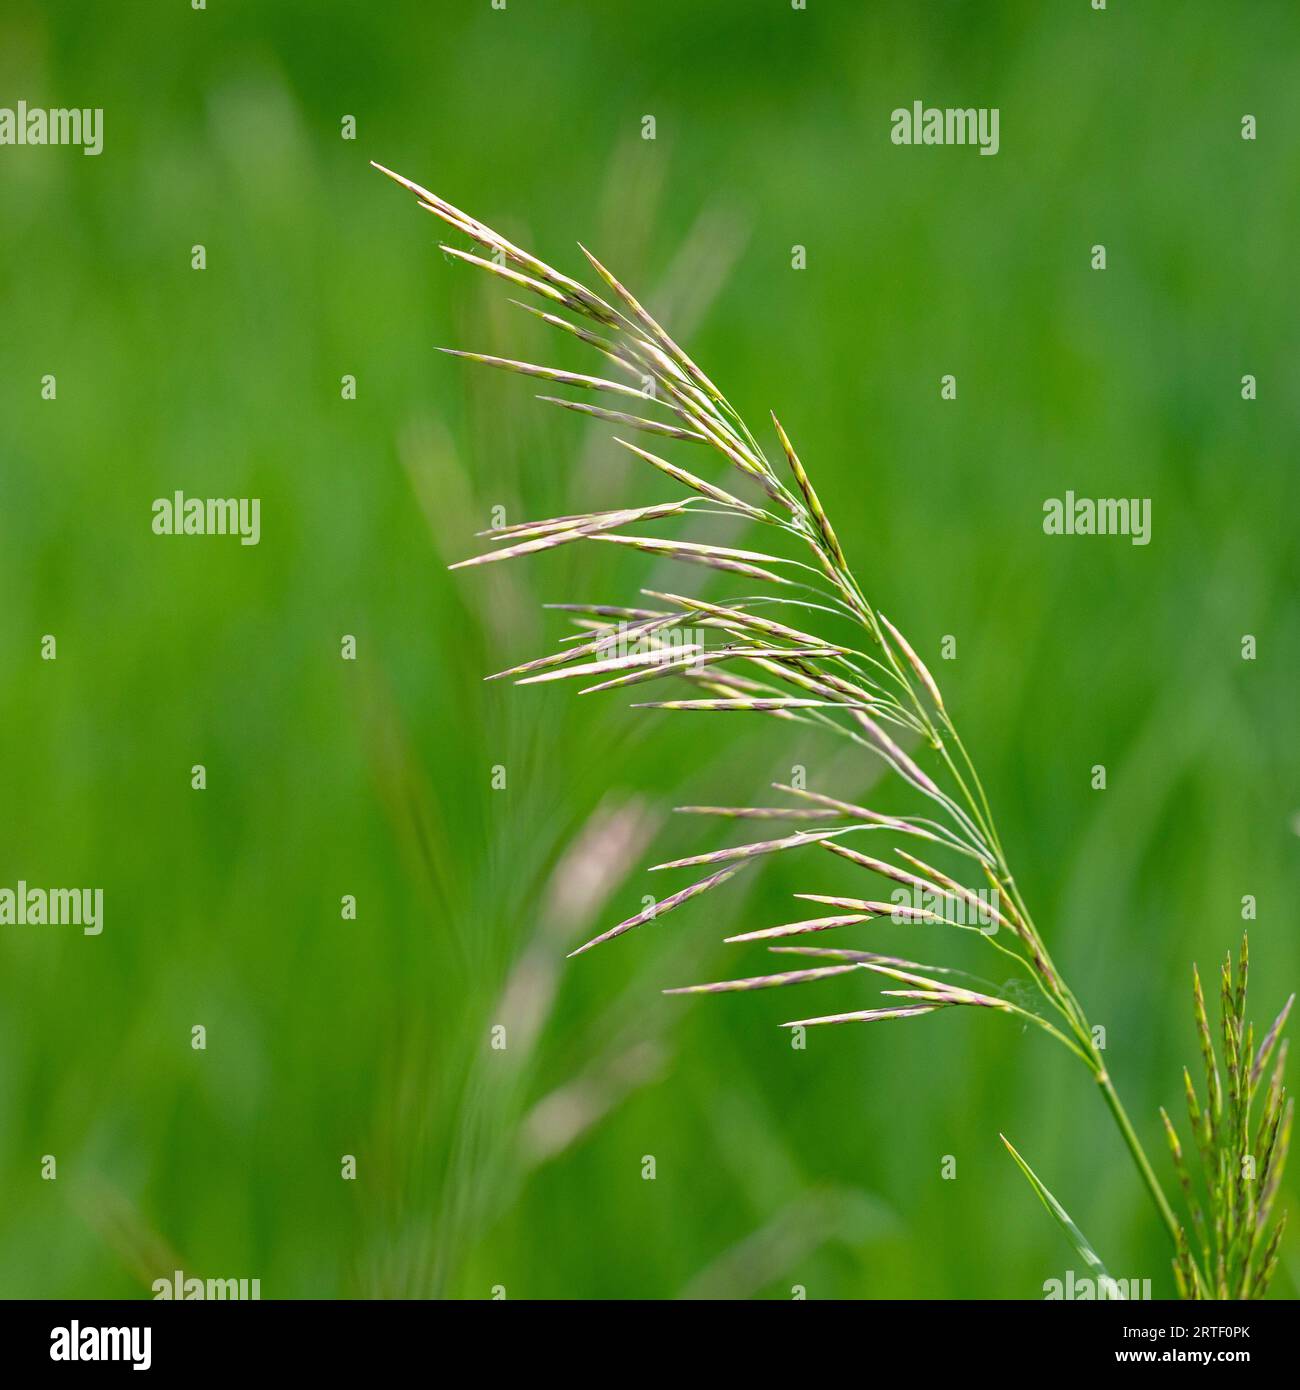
{"points": [[844, 689], [1048, 978]]}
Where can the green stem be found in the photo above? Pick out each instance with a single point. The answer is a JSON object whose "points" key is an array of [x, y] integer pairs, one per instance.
{"points": [[1139, 1154], [1054, 987]]}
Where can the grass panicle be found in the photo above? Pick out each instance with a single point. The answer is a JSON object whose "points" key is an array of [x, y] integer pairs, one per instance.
{"points": [[1231, 1252], [810, 648]]}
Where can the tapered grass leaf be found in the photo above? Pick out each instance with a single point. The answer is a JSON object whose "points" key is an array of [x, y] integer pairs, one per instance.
{"points": [[1062, 1217]]}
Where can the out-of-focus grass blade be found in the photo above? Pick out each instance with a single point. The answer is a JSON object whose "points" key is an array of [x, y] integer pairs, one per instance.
{"points": [[1076, 1236]]}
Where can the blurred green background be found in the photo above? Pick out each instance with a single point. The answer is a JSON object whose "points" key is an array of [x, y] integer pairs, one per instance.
{"points": [[523, 1168]]}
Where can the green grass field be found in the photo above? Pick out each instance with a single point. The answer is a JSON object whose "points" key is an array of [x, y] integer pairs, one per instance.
{"points": [[480, 1169]]}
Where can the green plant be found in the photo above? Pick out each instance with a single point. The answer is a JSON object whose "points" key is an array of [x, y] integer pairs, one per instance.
{"points": [[1231, 1252], [879, 695]]}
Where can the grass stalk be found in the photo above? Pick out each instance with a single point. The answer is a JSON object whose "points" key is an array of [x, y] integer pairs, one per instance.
{"points": [[854, 693]]}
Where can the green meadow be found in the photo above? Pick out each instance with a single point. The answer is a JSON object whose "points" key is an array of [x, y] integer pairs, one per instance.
{"points": [[228, 302]]}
